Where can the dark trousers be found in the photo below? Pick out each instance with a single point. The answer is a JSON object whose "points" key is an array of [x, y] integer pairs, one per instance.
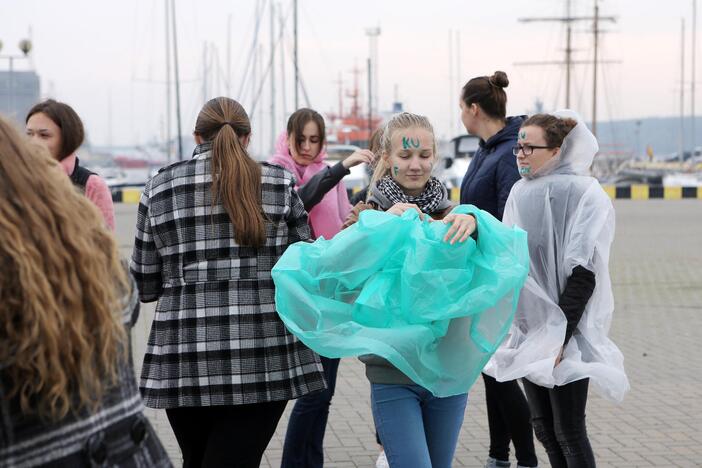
{"points": [[225, 436], [558, 415], [509, 419], [304, 439]]}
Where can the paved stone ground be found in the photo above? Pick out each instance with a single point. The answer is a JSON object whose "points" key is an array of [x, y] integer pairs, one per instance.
{"points": [[656, 268]]}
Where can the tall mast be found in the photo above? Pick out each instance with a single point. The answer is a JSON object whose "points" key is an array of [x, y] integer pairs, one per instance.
{"points": [[272, 61], [692, 80], [229, 56], [177, 80], [568, 52], [169, 111], [295, 54], [682, 89], [596, 33], [569, 19], [452, 102]]}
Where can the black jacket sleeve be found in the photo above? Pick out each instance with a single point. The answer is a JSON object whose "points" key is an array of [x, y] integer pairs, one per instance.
{"points": [[577, 292], [314, 190]]}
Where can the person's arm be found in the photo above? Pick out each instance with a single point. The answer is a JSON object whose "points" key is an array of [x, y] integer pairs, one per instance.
{"points": [[298, 226], [97, 191], [507, 175], [576, 294], [322, 182], [314, 190], [146, 259]]}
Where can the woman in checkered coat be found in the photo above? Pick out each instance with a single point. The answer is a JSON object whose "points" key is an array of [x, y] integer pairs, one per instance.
{"points": [[209, 231]]}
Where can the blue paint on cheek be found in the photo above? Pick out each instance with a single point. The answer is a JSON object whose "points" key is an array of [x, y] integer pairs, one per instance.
{"points": [[395, 170]]}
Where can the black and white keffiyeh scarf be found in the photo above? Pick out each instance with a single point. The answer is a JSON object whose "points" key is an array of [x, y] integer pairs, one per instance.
{"points": [[428, 201]]}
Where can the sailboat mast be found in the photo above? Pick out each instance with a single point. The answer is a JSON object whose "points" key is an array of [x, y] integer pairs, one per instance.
{"points": [[177, 80], [682, 89], [272, 61], [692, 80], [596, 33], [295, 54], [169, 111]]}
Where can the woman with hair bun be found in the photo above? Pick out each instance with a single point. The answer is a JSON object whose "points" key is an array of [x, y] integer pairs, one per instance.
{"points": [[487, 184], [219, 359]]}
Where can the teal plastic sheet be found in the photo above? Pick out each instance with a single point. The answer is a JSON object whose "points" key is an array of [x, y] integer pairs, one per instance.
{"points": [[390, 286]]}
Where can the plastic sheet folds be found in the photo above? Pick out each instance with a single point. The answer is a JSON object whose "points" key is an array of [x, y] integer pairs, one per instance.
{"points": [[390, 286]]}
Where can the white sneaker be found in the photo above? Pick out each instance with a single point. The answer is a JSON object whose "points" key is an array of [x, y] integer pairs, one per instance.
{"points": [[492, 463], [382, 461]]}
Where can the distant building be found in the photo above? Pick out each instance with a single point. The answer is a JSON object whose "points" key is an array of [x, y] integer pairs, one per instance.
{"points": [[19, 91]]}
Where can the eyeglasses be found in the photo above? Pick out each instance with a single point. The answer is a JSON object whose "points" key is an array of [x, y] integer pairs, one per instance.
{"points": [[528, 149]]}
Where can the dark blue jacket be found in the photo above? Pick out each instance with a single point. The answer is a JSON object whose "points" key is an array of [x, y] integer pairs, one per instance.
{"points": [[493, 171]]}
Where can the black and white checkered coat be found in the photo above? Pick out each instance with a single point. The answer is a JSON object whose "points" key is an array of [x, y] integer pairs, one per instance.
{"points": [[216, 338], [117, 430]]}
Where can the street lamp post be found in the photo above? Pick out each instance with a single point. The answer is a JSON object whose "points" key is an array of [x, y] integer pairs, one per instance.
{"points": [[25, 45]]}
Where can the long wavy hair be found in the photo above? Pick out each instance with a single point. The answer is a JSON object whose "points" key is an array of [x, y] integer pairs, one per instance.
{"points": [[61, 287], [236, 178]]}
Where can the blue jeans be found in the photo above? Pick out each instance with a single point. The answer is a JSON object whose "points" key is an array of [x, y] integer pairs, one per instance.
{"points": [[417, 429], [304, 438]]}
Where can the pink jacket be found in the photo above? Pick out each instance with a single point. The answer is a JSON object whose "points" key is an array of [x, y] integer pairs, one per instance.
{"points": [[96, 190], [326, 217]]}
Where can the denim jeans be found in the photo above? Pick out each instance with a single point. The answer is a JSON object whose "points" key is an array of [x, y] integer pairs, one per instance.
{"points": [[304, 438], [418, 430], [558, 416]]}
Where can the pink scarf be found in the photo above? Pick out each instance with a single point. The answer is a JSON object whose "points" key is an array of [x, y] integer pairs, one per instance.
{"points": [[327, 216]]}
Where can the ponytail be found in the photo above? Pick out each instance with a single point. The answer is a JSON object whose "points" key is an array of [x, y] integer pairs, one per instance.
{"points": [[236, 178]]}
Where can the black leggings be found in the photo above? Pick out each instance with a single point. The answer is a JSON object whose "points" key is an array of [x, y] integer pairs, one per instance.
{"points": [[509, 419], [558, 415], [225, 436]]}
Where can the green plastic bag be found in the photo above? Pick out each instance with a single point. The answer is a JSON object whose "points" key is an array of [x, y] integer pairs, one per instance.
{"points": [[390, 286]]}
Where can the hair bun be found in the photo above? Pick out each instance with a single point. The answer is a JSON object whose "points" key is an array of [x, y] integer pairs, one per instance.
{"points": [[499, 78]]}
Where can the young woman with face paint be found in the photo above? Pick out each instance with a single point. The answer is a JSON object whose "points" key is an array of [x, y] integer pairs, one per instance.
{"points": [[487, 184], [57, 127], [301, 150], [416, 428], [566, 305]]}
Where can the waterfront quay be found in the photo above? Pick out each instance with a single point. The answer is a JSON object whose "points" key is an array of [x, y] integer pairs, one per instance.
{"points": [[656, 268]]}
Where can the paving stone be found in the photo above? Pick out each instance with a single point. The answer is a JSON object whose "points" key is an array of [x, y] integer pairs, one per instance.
{"points": [[656, 269]]}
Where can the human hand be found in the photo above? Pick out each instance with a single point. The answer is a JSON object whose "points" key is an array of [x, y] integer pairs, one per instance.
{"points": [[462, 226], [358, 157], [399, 208], [559, 358]]}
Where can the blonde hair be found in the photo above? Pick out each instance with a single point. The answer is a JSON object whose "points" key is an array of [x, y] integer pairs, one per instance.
{"points": [[61, 334], [399, 122]]}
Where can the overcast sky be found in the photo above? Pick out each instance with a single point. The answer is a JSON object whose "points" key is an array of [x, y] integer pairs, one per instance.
{"points": [[90, 53]]}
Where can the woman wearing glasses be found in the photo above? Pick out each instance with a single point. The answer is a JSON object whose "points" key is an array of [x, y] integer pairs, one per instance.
{"points": [[558, 340], [487, 184]]}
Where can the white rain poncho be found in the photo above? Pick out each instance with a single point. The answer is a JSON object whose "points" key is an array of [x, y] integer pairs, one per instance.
{"points": [[569, 220]]}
